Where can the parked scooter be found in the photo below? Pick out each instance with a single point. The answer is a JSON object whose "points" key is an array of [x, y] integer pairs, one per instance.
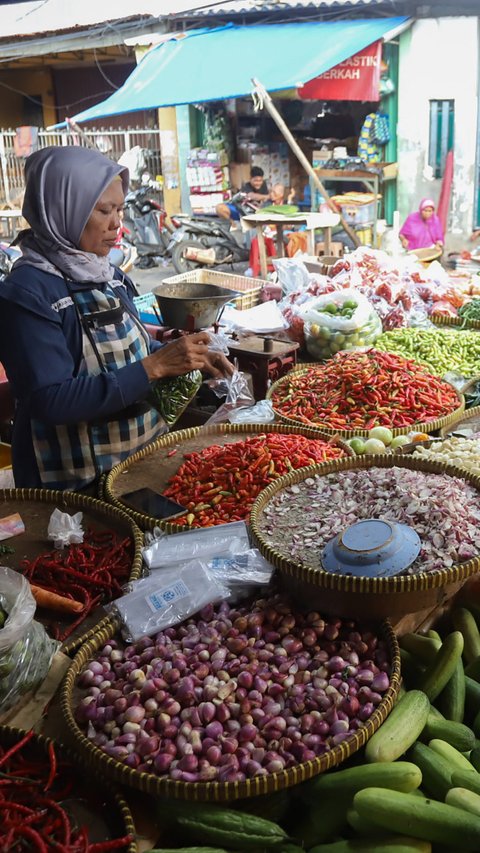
{"points": [[200, 243], [144, 225]]}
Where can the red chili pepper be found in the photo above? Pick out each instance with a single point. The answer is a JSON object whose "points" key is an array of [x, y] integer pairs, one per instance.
{"points": [[53, 765], [16, 747]]}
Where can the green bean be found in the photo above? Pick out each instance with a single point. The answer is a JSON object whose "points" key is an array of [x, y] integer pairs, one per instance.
{"points": [[441, 350], [170, 397]]}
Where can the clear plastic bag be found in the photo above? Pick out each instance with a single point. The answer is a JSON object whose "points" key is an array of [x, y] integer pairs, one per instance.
{"points": [[240, 570], [65, 529], [171, 396], [26, 650], [167, 598], [328, 330], [292, 274], [162, 550], [238, 396], [261, 413]]}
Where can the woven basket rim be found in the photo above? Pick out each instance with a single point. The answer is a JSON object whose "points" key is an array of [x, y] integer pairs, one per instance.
{"points": [[456, 322], [361, 585], [78, 500], [41, 740], [427, 427], [467, 415], [181, 436], [222, 791]]}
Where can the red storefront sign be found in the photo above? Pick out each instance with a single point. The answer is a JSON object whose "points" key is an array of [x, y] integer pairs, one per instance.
{"points": [[355, 79]]}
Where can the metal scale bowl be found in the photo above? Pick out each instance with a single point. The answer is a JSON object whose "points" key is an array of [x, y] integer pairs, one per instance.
{"points": [[190, 306]]}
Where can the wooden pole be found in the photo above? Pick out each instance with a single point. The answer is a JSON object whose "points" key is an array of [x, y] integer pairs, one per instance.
{"points": [[264, 100]]}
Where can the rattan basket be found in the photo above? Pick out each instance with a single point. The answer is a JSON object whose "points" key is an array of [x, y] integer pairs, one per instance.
{"points": [[469, 419], [455, 322], [360, 597], [430, 426], [110, 767], [153, 466], [35, 506], [109, 803], [249, 287]]}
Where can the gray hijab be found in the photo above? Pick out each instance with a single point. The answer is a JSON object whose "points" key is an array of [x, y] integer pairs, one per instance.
{"points": [[63, 186]]}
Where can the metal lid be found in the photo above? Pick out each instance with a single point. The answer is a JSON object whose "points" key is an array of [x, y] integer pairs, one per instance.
{"points": [[372, 548]]}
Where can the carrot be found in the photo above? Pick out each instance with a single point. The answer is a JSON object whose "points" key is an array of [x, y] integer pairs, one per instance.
{"points": [[52, 601]]}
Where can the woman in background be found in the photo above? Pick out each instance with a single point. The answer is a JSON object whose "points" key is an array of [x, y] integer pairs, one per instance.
{"points": [[422, 229]]}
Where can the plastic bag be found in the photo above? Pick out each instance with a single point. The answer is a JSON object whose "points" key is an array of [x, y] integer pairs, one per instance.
{"points": [[171, 396], [65, 529], [339, 321], [240, 570], [238, 396], [162, 550], [218, 343], [167, 598], [26, 650], [261, 413], [292, 274]]}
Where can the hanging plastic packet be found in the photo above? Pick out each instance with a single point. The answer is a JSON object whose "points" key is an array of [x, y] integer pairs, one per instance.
{"points": [[171, 396], [162, 551], [167, 598], [238, 396]]}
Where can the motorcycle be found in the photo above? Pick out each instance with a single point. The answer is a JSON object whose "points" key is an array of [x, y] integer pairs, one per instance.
{"points": [[144, 225], [203, 242]]}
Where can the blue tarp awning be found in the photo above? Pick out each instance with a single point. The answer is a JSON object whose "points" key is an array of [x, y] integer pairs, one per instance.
{"points": [[215, 64]]}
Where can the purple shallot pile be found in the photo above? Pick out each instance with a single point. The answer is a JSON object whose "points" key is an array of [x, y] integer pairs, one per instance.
{"points": [[443, 510], [233, 693]]}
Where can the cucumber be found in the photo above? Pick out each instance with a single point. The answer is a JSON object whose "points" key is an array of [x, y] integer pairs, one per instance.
{"points": [[452, 697], [422, 649], [476, 725], [238, 830], [426, 819], [433, 635], [449, 753], [436, 771], [401, 728], [363, 826], [456, 734], [475, 758], [462, 798], [473, 669], [392, 844], [440, 670], [410, 671], [464, 621], [466, 779], [399, 775], [472, 697]]}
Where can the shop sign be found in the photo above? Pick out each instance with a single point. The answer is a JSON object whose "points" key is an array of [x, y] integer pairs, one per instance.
{"points": [[355, 79]]}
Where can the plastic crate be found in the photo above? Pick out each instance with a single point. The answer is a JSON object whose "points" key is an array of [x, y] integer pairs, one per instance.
{"points": [[358, 214], [249, 287], [146, 305]]}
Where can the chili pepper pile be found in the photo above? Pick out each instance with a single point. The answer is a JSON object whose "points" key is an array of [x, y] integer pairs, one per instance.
{"points": [[32, 817], [220, 484], [440, 350], [89, 573], [360, 390]]}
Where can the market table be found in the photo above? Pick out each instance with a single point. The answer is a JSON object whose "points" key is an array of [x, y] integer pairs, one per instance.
{"points": [[312, 221]]}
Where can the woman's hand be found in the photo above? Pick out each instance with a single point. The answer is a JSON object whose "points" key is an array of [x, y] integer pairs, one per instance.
{"points": [[189, 352]]}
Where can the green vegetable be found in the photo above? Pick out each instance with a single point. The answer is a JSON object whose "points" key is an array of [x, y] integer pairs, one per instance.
{"points": [[171, 396], [426, 819], [455, 758], [390, 844], [401, 728], [234, 829], [452, 697], [436, 770], [400, 775], [466, 779], [441, 350], [464, 799], [456, 734], [470, 310], [439, 672], [464, 621]]}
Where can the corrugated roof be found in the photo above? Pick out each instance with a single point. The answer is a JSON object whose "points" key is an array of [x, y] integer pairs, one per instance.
{"points": [[239, 7]]}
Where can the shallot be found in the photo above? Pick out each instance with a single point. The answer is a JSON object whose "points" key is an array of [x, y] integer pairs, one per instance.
{"points": [[443, 510], [298, 686]]}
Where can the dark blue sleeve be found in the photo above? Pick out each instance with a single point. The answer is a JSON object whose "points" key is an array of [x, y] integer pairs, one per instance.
{"points": [[40, 365]]}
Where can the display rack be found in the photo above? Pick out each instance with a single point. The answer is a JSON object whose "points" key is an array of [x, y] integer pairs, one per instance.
{"points": [[208, 180]]}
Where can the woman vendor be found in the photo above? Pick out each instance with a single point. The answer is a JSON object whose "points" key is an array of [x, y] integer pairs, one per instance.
{"points": [[79, 361], [422, 229]]}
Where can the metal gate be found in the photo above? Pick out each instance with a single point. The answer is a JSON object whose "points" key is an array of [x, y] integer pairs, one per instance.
{"points": [[113, 143]]}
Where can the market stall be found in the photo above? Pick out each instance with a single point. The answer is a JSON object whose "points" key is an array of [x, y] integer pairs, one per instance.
{"points": [[289, 657]]}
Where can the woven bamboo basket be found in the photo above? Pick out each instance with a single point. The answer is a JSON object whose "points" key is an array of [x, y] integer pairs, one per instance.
{"points": [[162, 786], [430, 426], [35, 506], [361, 597], [250, 288], [455, 322], [106, 803], [469, 419], [153, 466]]}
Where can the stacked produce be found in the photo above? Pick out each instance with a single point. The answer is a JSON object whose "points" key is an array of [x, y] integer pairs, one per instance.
{"points": [[441, 350], [341, 321], [416, 788], [445, 512], [464, 452], [220, 483], [83, 575], [33, 812], [382, 440], [233, 693], [360, 390]]}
